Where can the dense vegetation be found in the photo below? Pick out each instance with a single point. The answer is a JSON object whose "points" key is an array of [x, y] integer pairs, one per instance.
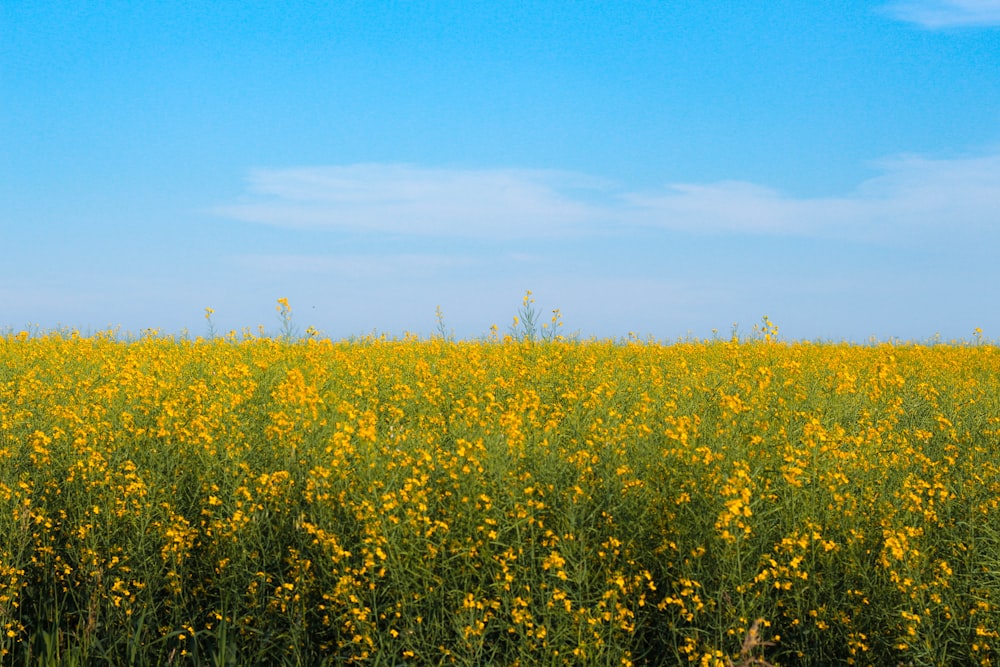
{"points": [[254, 500]]}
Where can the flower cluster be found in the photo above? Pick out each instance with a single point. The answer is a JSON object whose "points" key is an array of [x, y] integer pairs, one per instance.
{"points": [[519, 501]]}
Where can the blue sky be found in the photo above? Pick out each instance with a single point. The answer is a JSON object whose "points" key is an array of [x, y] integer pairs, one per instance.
{"points": [[662, 168]]}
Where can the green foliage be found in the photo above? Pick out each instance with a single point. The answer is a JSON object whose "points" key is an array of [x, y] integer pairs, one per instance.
{"points": [[247, 500]]}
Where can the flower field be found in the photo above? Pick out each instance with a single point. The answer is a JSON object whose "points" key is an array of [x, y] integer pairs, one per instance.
{"points": [[250, 500]]}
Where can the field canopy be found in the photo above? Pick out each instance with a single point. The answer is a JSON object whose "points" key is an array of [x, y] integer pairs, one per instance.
{"points": [[428, 502]]}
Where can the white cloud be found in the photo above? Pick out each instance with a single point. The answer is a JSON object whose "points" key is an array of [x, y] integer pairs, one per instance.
{"points": [[910, 194], [412, 200], [948, 13]]}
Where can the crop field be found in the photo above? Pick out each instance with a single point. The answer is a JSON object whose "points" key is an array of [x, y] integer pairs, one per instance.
{"points": [[278, 500]]}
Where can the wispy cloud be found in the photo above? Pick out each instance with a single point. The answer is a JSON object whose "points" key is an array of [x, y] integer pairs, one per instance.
{"points": [[418, 201], [937, 14], [911, 193]]}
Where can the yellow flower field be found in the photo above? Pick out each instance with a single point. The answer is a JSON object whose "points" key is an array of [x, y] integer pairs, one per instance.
{"points": [[250, 500]]}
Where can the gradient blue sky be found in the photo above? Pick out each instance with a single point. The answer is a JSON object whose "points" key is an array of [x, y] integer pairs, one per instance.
{"points": [[662, 168]]}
